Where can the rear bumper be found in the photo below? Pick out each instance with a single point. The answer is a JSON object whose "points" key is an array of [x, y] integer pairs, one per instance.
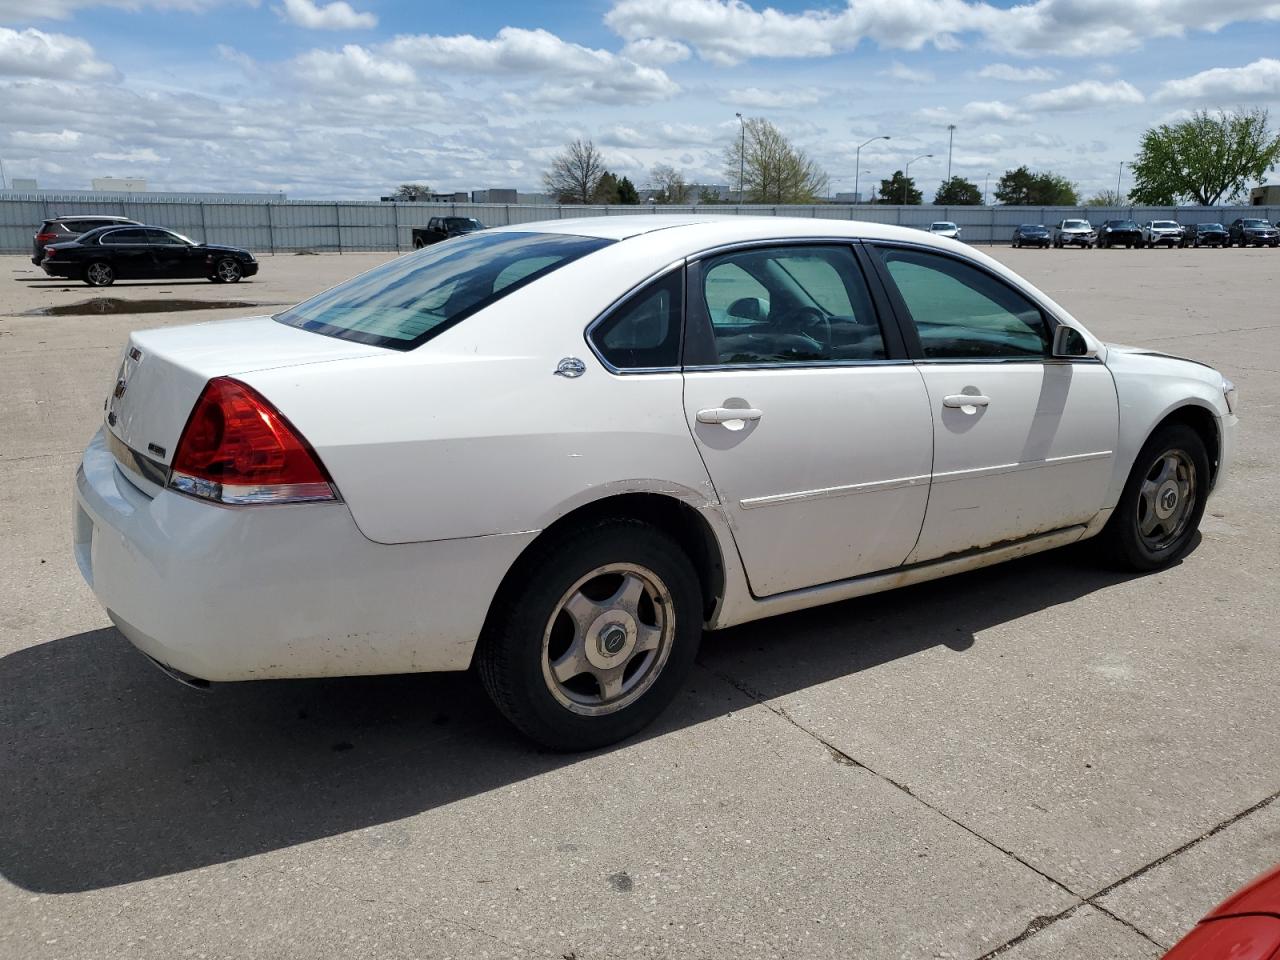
{"points": [[249, 593], [61, 269]]}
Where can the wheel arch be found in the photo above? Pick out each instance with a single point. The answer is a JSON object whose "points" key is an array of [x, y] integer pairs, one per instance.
{"points": [[1204, 421]]}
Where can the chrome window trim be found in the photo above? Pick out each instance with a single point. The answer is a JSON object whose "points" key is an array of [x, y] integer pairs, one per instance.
{"points": [[608, 311]]}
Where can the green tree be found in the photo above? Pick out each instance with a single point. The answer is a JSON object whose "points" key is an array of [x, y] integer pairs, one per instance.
{"points": [[627, 192], [412, 192], [606, 189], [1021, 187], [1206, 159], [900, 189], [575, 173], [1105, 198], [957, 192], [708, 195], [773, 169], [668, 184]]}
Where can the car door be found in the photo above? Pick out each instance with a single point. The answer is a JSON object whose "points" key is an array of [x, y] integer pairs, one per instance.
{"points": [[813, 424], [128, 252], [1023, 443], [168, 255]]}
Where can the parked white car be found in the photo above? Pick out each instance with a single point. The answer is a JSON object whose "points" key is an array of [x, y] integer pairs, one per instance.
{"points": [[561, 450], [1162, 233], [945, 228]]}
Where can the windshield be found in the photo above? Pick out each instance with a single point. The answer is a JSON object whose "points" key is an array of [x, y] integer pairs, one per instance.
{"points": [[1032, 228], [942, 225], [1122, 225], [408, 301], [1211, 226], [1075, 225], [1255, 223], [1164, 224]]}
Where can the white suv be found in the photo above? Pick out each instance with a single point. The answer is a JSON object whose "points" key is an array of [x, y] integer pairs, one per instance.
{"points": [[1156, 233], [945, 228]]}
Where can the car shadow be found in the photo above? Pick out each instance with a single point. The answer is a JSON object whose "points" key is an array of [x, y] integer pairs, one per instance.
{"points": [[65, 282], [112, 773]]}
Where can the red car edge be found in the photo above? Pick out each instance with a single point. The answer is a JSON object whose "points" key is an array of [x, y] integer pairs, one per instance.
{"points": [[1245, 926]]}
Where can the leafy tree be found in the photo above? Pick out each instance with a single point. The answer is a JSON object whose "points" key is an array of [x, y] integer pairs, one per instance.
{"points": [[708, 195], [1021, 187], [773, 170], [1105, 198], [607, 189], [669, 184], [627, 192], [899, 189], [957, 192], [412, 192], [1206, 159], [575, 173]]}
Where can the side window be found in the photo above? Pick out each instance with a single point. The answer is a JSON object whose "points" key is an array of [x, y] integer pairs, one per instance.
{"points": [[799, 304], [963, 313], [161, 237], [644, 331], [123, 236]]}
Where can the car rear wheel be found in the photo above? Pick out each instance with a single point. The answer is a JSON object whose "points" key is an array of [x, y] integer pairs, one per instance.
{"points": [[1159, 511], [226, 270], [99, 274], [593, 636]]}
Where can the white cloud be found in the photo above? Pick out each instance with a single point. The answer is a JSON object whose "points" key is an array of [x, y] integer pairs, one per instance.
{"points": [[655, 51], [774, 97], [904, 74], [1005, 71], [657, 135], [1086, 94], [34, 53], [62, 140], [1259, 80], [130, 156], [729, 31], [977, 112], [352, 69], [338, 15], [22, 10], [576, 71]]}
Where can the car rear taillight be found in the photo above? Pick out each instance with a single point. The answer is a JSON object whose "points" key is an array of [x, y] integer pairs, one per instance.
{"points": [[46, 237], [49, 252], [237, 448]]}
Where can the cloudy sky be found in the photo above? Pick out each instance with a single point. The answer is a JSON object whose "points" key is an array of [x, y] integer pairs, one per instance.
{"points": [[347, 99]]}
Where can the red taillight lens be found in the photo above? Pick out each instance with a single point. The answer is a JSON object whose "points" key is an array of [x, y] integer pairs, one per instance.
{"points": [[49, 252], [237, 448], [45, 237]]}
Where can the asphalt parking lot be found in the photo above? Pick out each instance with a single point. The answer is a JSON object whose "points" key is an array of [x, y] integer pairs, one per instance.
{"points": [[1038, 760]]}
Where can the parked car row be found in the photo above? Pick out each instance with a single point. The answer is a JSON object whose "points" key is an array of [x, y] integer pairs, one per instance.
{"points": [[1244, 231]]}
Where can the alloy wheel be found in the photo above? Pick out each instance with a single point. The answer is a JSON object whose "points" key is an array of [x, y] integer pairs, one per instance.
{"points": [[228, 271], [1166, 499], [100, 275]]}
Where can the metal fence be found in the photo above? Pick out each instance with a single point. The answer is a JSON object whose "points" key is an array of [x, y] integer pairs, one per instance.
{"points": [[296, 225]]}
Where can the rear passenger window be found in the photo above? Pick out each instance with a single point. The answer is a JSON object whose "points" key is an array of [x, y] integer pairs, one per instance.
{"points": [[644, 331], [963, 313], [774, 305], [123, 236]]}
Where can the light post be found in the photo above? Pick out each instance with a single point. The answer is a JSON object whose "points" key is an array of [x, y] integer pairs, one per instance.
{"points": [[951, 136], [906, 174], [857, 165], [986, 184], [742, 154], [1118, 176]]}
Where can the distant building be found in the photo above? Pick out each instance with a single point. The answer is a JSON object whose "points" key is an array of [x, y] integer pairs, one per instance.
{"points": [[1268, 196], [494, 195], [119, 184]]}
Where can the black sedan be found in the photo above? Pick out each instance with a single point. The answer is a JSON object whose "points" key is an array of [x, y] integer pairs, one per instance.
{"points": [[1031, 235], [1246, 231], [103, 256], [1205, 235], [1117, 233]]}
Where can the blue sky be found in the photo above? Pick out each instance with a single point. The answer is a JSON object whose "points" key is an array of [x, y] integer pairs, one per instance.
{"points": [[348, 99]]}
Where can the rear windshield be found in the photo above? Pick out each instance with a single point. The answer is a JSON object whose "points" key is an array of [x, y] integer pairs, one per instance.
{"points": [[408, 301], [942, 225]]}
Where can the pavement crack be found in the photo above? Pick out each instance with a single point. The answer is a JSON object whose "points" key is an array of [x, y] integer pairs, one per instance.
{"points": [[1034, 927]]}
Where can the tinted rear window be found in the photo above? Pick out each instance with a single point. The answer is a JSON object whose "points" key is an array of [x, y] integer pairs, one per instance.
{"points": [[408, 301]]}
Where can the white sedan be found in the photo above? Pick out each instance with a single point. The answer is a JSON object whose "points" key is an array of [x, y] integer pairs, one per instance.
{"points": [[562, 450]]}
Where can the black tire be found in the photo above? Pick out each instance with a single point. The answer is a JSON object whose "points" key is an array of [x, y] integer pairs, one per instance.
{"points": [[1122, 540], [510, 654], [226, 270], [418, 244], [99, 273]]}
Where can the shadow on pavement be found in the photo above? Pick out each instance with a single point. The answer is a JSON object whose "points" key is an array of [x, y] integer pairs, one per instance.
{"points": [[112, 773]]}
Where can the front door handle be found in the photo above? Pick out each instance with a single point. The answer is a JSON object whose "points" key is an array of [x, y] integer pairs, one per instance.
{"points": [[728, 414], [965, 400]]}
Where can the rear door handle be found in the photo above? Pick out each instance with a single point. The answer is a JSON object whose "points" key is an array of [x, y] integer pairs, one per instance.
{"points": [[728, 414], [965, 400]]}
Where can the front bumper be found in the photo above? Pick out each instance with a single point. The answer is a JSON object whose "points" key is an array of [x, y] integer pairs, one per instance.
{"points": [[1165, 239], [1077, 239], [249, 593]]}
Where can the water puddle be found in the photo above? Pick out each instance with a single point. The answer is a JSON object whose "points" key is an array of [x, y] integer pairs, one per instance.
{"points": [[101, 305]]}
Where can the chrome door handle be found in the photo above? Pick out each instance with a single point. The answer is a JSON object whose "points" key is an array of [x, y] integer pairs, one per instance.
{"points": [[965, 400], [728, 414]]}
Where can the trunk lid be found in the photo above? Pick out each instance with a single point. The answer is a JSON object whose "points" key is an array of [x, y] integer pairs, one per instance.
{"points": [[162, 372]]}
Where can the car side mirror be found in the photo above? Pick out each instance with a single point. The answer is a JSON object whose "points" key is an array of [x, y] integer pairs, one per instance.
{"points": [[748, 308], [1070, 342]]}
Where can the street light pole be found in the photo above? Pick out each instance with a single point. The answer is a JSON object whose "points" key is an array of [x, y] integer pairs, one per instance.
{"points": [[906, 174], [857, 165], [1118, 176], [742, 154], [986, 185], [951, 136]]}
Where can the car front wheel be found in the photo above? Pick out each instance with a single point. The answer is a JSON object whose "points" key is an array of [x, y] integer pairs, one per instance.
{"points": [[593, 635], [226, 270], [1159, 511], [99, 274]]}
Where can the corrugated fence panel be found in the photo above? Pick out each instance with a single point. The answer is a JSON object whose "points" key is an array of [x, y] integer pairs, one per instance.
{"points": [[289, 226]]}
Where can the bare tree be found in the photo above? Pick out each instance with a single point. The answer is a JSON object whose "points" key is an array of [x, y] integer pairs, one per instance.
{"points": [[773, 170], [412, 191], [575, 173], [669, 184]]}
